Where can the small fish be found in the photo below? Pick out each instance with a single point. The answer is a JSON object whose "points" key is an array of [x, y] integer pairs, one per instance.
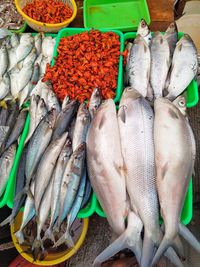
{"points": [[6, 163], [31, 57], [4, 86], [44, 62], [4, 33], [38, 43], [95, 102], [65, 101], [48, 44], [64, 118], [24, 76], [14, 78], [3, 133], [24, 48], [144, 31], [3, 60], [52, 101], [184, 67], [87, 193], [171, 35], [14, 40], [41, 111], [4, 116]]}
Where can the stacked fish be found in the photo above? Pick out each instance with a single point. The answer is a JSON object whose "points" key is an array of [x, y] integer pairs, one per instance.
{"points": [[23, 62], [11, 125], [144, 157], [52, 171]]}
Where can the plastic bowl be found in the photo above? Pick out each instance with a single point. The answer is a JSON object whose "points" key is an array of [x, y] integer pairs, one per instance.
{"points": [[52, 258], [45, 27]]}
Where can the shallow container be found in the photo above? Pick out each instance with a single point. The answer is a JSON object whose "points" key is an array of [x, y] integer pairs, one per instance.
{"points": [[123, 15]]}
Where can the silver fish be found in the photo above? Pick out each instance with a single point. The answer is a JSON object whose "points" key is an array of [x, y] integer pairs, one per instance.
{"points": [[44, 62], [52, 101], [3, 133], [38, 43], [95, 102], [14, 40], [144, 31], [4, 86], [31, 57], [175, 156], [184, 67], [24, 76], [3, 60], [14, 78], [65, 102], [46, 167], [138, 65], [81, 126], [160, 63], [171, 35], [48, 44], [41, 111], [106, 166], [6, 163]]}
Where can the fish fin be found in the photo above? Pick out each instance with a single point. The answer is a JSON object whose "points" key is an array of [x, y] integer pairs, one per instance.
{"points": [[49, 235], [148, 251], [189, 237], [122, 113], [178, 247], [173, 258], [165, 244], [37, 248], [20, 236], [6, 221]]}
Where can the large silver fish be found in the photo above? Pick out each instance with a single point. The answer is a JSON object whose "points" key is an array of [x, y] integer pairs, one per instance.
{"points": [[138, 65], [160, 63], [95, 101], [184, 67], [171, 35], [175, 155], [144, 31], [106, 166]]}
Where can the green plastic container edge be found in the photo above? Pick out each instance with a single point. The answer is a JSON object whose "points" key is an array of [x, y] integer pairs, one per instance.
{"points": [[21, 30], [192, 92], [130, 28], [72, 31]]}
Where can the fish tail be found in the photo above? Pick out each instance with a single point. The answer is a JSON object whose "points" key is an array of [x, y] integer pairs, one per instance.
{"points": [[165, 244], [6, 221], [37, 248], [20, 236], [148, 251], [172, 256], [189, 237], [178, 246], [49, 235]]}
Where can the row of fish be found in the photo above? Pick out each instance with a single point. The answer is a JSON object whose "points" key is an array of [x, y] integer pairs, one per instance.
{"points": [[137, 159], [52, 171], [23, 62], [12, 121], [160, 65]]}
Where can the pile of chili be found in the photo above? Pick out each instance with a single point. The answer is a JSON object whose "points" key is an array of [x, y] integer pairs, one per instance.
{"points": [[48, 11], [85, 61]]}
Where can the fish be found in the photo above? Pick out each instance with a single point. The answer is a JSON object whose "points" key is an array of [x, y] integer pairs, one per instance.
{"points": [[38, 143], [71, 128], [57, 179], [70, 182], [14, 40], [106, 167], [3, 133], [64, 118], [175, 157], [4, 86], [48, 44], [128, 48], [95, 102], [28, 214], [52, 101], [184, 64], [46, 167], [14, 78], [31, 57], [138, 65], [3, 60], [171, 35], [24, 94], [17, 129], [81, 126], [38, 43], [160, 63], [66, 101], [66, 238], [144, 31], [41, 111], [88, 191], [6, 163], [4, 116], [136, 121], [11, 58], [43, 63], [39, 60], [25, 47], [4, 33], [24, 77]]}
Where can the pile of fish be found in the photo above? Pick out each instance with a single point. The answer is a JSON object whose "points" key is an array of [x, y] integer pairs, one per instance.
{"points": [[142, 158], [51, 177], [12, 121], [9, 17], [23, 62], [160, 65]]}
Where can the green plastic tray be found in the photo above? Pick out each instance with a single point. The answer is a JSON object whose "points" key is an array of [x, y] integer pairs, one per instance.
{"points": [[123, 15], [192, 92], [72, 31]]}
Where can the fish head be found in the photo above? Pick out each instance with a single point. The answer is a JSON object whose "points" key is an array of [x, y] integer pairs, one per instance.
{"points": [[51, 118], [158, 38], [79, 154], [185, 41], [180, 103], [3, 49], [172, 28], [143, 28], [11, 151], [95, 99], [67, 149], [83, 113], [130, 92], [14, 40], [26, 38]]}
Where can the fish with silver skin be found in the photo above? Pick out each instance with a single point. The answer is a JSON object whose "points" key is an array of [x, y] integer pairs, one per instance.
{"points": [[46, 167], [106, 166], [81, 126], [184, 67], [48, 44], [136, 118], [95, 102], [144, 31], [171, 35], [160, 63], [6, 163], [175, 157], [4, 86], [38, 43], [138, 65], [41, 112], [3, 60], [52, 101]]}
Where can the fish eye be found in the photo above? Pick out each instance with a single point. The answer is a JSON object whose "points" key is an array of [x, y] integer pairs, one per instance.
{"points": [[182, 103], [129, 88]]}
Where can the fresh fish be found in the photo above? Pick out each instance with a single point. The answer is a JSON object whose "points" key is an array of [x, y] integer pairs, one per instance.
{"points": [[184, 67], [46, 167], [41, 111], [106, 166], [138, 65], [128, 48], [6, 163], [44, 62], [28, 214], [175, 156], [66, 238], [24, 48], [14, 78], [87, 193], [70, 182], [24, 94], [4, 86], [57, 179], [160, 63], [4, 33], [35, 75], [4, 116], [38, 89], [48, 46], [3, 133], [52, 101], [12, 59], [135, 118], [171, 35], [81, 126], [31, 57], [71, 128], [38, 43], [65, 102], [14, 40], [17, 129], [95, 102], [38, 144], [64, 118], [24, 77], [144, 31], [3, 60]]}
